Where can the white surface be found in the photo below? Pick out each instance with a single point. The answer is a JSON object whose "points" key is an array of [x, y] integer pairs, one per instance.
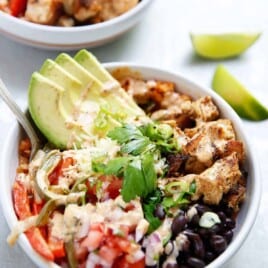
{"points": [[162, 40]]}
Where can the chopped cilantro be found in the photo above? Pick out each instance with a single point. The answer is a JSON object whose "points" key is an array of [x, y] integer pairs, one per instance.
{"points": [[149, 205]]}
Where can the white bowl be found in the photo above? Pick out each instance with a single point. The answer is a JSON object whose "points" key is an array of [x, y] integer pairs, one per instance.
{"points": [[67, 38], [247, 214]]}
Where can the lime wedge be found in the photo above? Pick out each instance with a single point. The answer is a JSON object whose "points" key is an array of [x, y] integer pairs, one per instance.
{"points": [[242, 101], [222, 45]]}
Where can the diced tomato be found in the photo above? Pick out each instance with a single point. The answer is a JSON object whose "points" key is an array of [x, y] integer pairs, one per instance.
{"points": [[114, 188], [39, 244], [123, 263], [81, 252], [17, 7], [109, 254], [93, 240]]}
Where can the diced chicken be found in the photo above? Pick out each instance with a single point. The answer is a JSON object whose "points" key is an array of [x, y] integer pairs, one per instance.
{"points": [[43, 11], [66, 21], [202, 109], [138, 89], [218, 179], [211, 141], [114, 8], [237, 194], [97, 10], [214, 182]]}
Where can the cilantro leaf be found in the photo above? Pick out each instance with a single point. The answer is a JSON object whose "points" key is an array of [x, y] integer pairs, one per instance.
{"points": [[125, 134], [149, 172], [149, 205], [137, 147], [116, 166], [133, 183]]}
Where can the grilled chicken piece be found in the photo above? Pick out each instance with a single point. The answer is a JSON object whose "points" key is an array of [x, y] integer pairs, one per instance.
{"points": [[211, 141], [214, 182], [114, 8], [180, 108], [97, 10], [66, 21], [218, 179], [236, 196], [43, 11], [202, 109]]}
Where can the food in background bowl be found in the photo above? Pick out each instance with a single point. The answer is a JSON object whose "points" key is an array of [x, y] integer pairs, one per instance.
{"points": [[65, 12], [156, 184], [44, 30]]}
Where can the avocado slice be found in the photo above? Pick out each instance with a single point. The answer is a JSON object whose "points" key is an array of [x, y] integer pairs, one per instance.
{"points": [[45, 108], [86, 68], [62, 78], [90, 63], [70, 105], [73, 67]]}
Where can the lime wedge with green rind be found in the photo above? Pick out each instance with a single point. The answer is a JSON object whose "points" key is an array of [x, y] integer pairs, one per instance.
{"points": [[222, 45], [241, 100]]}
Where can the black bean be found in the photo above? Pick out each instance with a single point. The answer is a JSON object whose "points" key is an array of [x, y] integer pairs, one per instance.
{"points": [[228, 235], [202, 209], [222, 216], [172, 265], [197, 243], [195, 262], [218, 243], [195, 220], [159, 212], [216, 228], [209, 256], [178, 224], [204, 232], [229, 223]]}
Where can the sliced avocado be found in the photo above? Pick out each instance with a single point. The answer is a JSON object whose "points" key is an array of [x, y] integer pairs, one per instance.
{"points": [[44, 98], [70, 105], [74, 68], [62, 78], [91, 64]]}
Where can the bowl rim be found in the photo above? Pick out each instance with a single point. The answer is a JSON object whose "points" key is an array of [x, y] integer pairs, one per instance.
{"points": [[253, 206], [92, 27]]}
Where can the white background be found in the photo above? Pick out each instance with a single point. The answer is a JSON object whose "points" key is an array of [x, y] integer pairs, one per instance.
{"points": [[162, 39]]}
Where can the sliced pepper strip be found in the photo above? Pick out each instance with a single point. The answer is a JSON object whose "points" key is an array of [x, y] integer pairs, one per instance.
{"points": [[39, 243], [23, 211]]}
